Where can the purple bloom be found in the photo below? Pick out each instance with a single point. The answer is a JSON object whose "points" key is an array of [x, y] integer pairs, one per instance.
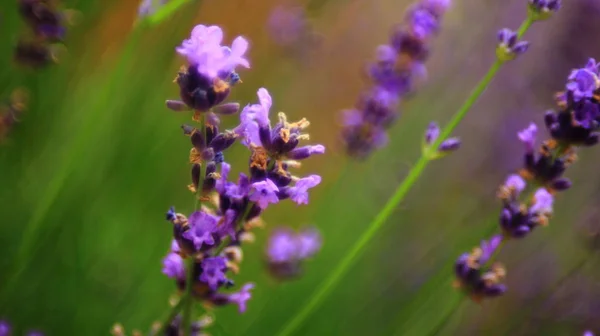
{"points": [[213, 272], [583, 82], [287, 26], [240, 298], [542, 202], [509, 45], [282, 246], [309, 243], [299, 192], [202, 230], [4, 328], [422, 23], [588, 333], [173, 266], [448, 145], [287, 250], [204, 50], [527, 136], [264, 193]]}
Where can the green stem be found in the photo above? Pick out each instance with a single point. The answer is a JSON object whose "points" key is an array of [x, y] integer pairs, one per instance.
{"points": [[188, 299], [199, 193], [170, 317], [338, 272]]}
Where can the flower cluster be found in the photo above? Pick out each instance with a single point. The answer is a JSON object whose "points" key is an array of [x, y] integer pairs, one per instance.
{"points": [[6, 330], [174, 328], [11, 111], [48, 24], [398, 65], [211, 237], [576, 124], [288, 249]]}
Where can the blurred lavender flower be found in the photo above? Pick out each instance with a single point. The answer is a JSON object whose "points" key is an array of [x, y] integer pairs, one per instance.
{"points": [[207, 80], [397, 66], [4, 328], [290, 29], [588, 333], [287, 250], [509, 46], [48, 23], [472, 275]]}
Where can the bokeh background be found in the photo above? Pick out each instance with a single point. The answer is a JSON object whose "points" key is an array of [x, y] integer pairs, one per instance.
{"points": [[87, 175]]}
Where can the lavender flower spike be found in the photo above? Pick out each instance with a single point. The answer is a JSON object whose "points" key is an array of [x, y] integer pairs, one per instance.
{"points": [[509, 46], [287, 250], [447, 146]]}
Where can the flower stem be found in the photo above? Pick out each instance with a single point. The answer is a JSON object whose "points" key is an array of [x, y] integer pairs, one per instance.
{"points": [[170, 317], [338, 272], [199, 191], [188, 299]]}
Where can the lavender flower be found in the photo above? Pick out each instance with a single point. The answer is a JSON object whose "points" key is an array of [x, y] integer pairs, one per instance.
{"points": [[447, 146], [291, 30], [213, 271], [173, 266], [475, 277], [397, 66], [509, 46], [207, 80], [288, 249], [543, 9]]}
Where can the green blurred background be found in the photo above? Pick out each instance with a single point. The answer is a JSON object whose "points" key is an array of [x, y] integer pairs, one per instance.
{"points": [[86, 177]]}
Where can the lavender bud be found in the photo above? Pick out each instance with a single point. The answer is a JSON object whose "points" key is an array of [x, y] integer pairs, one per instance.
{"points": [[542, 9], [509, 47], [177, 105]]}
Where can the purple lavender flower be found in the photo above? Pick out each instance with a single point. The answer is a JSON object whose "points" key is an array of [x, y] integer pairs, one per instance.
{"points": [[287, 250], [282, 246], [299, 192], [583, 82], [509, 46], [588, 333], [512, 188], [309, 242], [240, 298], [207, 81], [422, 22], [447, 146], [173, 266], [213, 272], [475, 277], [543, 9], [5, 329], [264, 193], [202, 230], [527, 136], [545, 169]]}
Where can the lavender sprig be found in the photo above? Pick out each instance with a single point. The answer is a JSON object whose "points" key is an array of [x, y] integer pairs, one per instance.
{"points": [[207, 245], [575, 125], [338, 272]]}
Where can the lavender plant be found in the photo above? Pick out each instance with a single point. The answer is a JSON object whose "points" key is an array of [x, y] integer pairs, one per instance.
{"points": [[7, 330], [573, 126], [207, 245], [367, 132], [287, 250]]}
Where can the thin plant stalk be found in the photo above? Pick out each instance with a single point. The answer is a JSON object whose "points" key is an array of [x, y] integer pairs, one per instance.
{"points": [[340, 270], [162, 13]]}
